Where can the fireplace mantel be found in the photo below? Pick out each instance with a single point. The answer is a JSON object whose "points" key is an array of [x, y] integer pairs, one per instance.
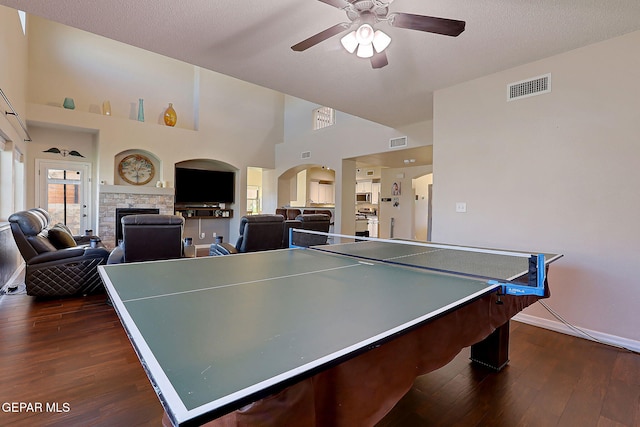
{"points": [[130, 189]]}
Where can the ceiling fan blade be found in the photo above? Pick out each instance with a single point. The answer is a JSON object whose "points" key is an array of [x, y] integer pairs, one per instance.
{"points": [[430, 24], [340, 4], [379, 60], [320, 37]]}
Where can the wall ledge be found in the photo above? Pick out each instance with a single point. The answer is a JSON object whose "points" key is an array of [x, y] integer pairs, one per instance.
{"points": [[129, 189]]}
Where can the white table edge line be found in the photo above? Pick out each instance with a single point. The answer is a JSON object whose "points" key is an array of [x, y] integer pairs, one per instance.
{"points": [[273, 381]]}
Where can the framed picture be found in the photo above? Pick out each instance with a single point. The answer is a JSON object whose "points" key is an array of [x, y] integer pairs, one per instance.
{"points": [[396, 188]]}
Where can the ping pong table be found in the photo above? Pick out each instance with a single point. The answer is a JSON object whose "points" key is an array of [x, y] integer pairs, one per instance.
{"points": [[216, 334]]}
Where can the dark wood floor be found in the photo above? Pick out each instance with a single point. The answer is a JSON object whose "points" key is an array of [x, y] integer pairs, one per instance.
{"points": [[73, 354]]}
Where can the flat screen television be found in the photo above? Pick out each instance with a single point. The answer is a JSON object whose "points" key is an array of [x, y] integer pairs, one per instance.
{"points": [[203, 187]]}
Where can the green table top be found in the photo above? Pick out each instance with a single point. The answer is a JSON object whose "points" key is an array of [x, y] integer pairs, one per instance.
{"points": [[212, 331]]}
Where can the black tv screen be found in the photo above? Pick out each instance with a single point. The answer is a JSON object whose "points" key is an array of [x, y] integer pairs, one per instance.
{"points": [[199, 186]]}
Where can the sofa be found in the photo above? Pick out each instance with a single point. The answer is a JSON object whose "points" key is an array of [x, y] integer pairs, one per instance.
{"points": [[58, 263]]}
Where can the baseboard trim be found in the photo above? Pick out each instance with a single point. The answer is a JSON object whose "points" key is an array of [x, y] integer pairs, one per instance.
{"points": [[564, 329], [16, 278]]}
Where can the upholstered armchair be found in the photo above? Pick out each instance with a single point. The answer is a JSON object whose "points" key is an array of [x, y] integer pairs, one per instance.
{"points": [[149, 237], [58, 263], [257, 233], [313, 222], [260, 233]]}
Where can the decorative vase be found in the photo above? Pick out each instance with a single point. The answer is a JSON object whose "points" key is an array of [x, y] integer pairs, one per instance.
{"points": [[69, 104], [106, 108], [170, 117], [140, 110]]}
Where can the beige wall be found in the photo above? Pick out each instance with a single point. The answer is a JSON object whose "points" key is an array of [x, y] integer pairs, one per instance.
{"points": [[219, 117], [13, 82], [66, 62], [404, 213], [556, 172], [350, 137]]}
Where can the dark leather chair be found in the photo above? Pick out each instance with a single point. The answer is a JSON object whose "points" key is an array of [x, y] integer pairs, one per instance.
{"points": [[58, 263], [149, 237], [289, 213], [257, 233], [314, 222], [260, 233], [288, 225]]}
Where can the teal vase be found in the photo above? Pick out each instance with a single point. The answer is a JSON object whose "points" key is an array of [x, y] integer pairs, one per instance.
{"points": [[140, 110], [69, 104]]}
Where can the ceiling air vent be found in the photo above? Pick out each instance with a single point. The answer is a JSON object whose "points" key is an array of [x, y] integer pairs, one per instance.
{"points": [[530, 87], [305, 155], [398, 142]]}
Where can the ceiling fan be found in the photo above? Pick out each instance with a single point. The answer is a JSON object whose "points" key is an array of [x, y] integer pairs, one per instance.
{"points": [[369, 41]]}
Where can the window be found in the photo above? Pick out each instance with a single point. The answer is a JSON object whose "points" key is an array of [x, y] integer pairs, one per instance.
{"points": [[323, 117]]}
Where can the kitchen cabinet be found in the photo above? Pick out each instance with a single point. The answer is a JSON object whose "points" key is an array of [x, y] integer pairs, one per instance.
{"points": [[321, 193], [363, 186], [375, 193], [372, 226]]}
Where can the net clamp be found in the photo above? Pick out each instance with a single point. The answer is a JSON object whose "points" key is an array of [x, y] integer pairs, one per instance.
{"points": [[536, 280]]}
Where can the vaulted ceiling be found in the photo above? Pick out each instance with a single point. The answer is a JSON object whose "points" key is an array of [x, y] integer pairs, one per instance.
{"points": [[252, 39]]}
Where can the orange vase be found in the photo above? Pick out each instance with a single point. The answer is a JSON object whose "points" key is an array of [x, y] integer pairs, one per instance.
{"points": [[170, 116]]}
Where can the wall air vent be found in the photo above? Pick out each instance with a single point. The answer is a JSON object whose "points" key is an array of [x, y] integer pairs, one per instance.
{"points": [[530, 87], [398, 142], [305, 155]]}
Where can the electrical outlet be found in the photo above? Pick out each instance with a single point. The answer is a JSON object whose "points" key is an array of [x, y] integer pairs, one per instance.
{"points": [[461, 207]]}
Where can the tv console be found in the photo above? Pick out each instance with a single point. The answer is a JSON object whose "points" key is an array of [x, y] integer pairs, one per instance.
{"points": [[203, 212]]}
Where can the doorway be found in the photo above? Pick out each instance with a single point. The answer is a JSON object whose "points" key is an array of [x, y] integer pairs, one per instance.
{"points": [[62, 188]]}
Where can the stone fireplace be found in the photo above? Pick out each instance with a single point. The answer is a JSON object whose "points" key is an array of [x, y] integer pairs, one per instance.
{"points": [[122, 212], [114, 197]]}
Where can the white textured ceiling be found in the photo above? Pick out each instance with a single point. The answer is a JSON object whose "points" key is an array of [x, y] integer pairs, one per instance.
{"points": [[251, 40]]}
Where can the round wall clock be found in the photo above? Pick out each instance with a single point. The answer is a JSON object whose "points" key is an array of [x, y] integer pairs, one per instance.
{"points": [[136, 169]]}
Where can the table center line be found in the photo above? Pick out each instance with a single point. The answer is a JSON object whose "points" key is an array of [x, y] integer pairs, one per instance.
{"points": [[208, 288]]}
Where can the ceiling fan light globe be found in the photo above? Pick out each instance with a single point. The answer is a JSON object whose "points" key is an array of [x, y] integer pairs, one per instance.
{"points": [[381, 41], [364, 34], [349, 42], [365, 50]]}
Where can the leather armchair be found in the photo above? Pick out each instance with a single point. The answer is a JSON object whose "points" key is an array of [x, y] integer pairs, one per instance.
{"points": [[260, 233], [288, 225], [57, 262], [313, 222], [257, 233], [149, 237]]}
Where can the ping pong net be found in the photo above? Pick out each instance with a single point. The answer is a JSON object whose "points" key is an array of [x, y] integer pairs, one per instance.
{"points": [[517, 273]]}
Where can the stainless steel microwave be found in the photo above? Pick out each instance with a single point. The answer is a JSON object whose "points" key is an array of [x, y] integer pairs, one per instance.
{"points": [[363, 197]]}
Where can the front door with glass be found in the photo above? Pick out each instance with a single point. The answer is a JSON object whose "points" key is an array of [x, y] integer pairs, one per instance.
{"points": [[64, 193]]}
